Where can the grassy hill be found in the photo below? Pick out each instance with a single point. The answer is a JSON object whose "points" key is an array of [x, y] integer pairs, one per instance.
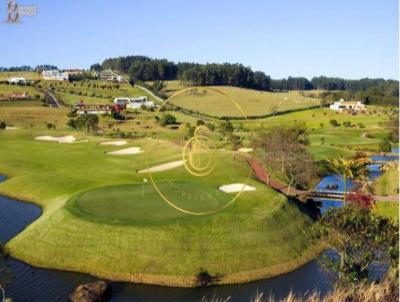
{"points": [[240, 243], [252, 102]]}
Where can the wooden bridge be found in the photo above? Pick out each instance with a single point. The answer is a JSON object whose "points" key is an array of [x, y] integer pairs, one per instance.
{"points": [[303, 195]]}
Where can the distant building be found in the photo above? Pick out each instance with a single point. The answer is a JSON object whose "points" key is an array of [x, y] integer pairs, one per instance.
{"points": [[55, 75], [348, 106], [133, 103], [74, 71], [15, 96], [93, 109], [109, 75], [17, 80]]}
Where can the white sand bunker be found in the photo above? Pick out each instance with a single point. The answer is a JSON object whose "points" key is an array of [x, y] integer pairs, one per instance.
{"points": [[163, 167], [11, 128], [114, 143], [245, 150], [69, 139], [233, 188], [127, 151]]}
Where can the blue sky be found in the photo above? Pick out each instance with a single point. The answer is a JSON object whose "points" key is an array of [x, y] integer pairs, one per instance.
{"points": [[350, 39]]}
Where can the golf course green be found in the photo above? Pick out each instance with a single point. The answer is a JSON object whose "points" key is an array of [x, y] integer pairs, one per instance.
{"points": [[141, 204]]}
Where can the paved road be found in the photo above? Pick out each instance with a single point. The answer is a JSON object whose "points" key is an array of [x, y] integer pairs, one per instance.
{"points": [[151, 93], [51, 99]]}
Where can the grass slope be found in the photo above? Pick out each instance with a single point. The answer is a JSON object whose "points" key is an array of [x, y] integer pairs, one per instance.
{"points": [[252, 102], [261, 235]]}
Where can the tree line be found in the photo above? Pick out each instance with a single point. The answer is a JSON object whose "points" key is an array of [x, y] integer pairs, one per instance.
{"points": [[142, 68], [28, 68]]}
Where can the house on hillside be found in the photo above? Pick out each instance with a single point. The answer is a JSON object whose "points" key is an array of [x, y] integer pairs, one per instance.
{"points": [[109, 75], [16, 96], [17, 81], [55, 75], [343, 106], [82, 108]]}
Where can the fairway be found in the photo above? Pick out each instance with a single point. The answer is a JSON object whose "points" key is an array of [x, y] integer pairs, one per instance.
{"points": [[141, 204]]}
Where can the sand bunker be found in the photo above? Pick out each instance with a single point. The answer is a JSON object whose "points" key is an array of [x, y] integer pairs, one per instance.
{"points": [[127, 151], [245, 150], [69, 139], [163, 167], [234, 188], [114, 143], [11, 128]]}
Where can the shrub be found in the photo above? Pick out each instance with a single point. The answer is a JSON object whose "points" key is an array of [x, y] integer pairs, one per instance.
{"points": [[361, 125], [334, 123], [3, 125], [167, 119]]}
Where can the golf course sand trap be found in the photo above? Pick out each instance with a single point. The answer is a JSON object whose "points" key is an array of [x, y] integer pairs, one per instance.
{"points": [[69, 139], [234, 188], [11, 128], [114, 143], [127, 151], [245, 150], [163, 167]]}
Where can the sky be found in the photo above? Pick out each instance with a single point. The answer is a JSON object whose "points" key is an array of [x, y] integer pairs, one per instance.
{"points": [[342, 38]]}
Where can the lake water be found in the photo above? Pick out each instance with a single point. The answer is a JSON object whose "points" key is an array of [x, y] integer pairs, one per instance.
{"points": [[326, 183], [32, 284]]}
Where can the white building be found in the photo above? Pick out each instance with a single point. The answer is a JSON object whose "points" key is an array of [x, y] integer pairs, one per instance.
{"points": [[55, 75], [137, 103], [347, 106], [16, 80], [109, 75]]}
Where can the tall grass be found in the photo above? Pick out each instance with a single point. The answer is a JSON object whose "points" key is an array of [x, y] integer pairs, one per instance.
{"points": [[387, 291]]}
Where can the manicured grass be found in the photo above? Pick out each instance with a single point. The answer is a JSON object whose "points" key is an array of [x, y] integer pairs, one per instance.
{"points": [[251, 102], [243, 242], [141, 204], [388, 183], [388, 209]]}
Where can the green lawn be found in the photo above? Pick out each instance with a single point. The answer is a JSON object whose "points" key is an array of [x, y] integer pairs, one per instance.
{"points": [[388, 183], [122, 237], [388, 209]]}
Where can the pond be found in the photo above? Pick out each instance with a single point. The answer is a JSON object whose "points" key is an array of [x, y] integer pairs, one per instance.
{"points": [[38, 285], [335, 183]]}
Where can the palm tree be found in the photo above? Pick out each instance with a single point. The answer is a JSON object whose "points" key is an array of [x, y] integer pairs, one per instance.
{"points": [[349, 169]]}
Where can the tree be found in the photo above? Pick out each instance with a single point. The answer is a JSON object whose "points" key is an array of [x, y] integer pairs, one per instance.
{"points": [[226, 127], [167, 119], [235, 141], [385, 145], [284, 149], [334, 123], [87, 121], [393, 125], [361, 238], [349, 169], [3, 125]]}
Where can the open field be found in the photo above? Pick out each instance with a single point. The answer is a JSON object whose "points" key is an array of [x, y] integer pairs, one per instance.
{"points": [[4, 76], [251, 102], [240, 243]]}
